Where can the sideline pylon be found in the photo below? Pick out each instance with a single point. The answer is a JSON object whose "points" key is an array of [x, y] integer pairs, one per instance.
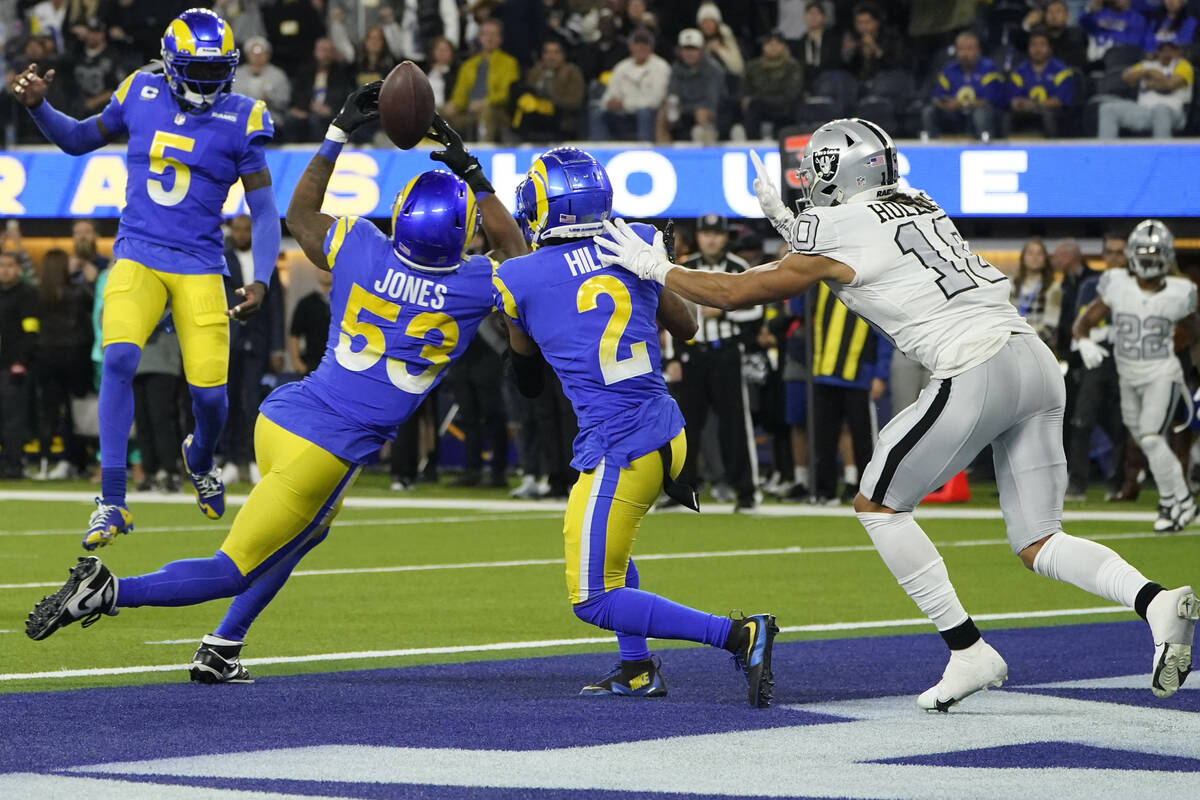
{"points": [[955, 490]]}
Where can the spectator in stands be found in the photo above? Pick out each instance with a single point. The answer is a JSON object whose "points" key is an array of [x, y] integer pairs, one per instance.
{"points": [[1036, 293], [773, 84], [294, 28], [245, 16], [262, 80], [63, 352], [442, 70], [136, 26], [86, 262], [818, 49], [479, 102], [38, 50], [1110, 23], [637, 15], [255, 350], [49, 18], [409, 26], [719, 40], [967, 93], [547, 107], [98, 70], [1173, 23], [694, 93], [1041, 87], [374, 61], [156, 408], [602, 43], [871, 47], [19, 325], [1164, 92], [310, 326], [318, 91], [1067, 41], [634, 94]]}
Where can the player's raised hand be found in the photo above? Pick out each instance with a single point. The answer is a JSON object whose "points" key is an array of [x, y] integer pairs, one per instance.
{"points": [[254, 294], [361, 106], [30, 88], [768, 197], [622, 247], [456, 156]]}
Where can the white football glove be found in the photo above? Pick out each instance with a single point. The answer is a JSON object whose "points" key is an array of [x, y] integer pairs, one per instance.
{"points": [[630, 252], [1091, 353], [769, 200]]}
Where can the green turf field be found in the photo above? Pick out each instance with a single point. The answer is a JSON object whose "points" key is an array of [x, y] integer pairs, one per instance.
{"points": [[467, 593]]}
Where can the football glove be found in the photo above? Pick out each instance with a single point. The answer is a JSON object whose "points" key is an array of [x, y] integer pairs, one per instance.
{"points": [[361, 107], [1090, 353], [629, 251], [457, 157], [769, 200]]}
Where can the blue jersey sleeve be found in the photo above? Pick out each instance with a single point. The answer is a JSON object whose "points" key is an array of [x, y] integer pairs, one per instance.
{"points": [[259, 130], [113, 115], [504, 300], [944, 87], [340, 234]]}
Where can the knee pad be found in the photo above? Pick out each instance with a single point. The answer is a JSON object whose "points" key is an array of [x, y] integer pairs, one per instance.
{"points": [[879, 524], [121, 360]]}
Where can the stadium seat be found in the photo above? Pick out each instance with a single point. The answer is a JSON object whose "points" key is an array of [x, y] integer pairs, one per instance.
{"points": [[888, 101], [832, 96]]}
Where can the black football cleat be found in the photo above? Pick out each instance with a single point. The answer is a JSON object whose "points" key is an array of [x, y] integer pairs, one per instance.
{"points": [[218, 661], [91, 590], [631, 679], [753, 657]]}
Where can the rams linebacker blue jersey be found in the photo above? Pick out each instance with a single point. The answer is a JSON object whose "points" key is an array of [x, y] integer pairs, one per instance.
{"points": [[392, 332], [180, 168], [596, 327]]}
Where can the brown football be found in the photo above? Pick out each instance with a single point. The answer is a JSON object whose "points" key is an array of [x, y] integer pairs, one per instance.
{"points": [[406, 105]]}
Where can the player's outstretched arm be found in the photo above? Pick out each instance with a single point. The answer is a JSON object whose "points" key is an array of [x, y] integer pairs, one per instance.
{"points": [[677, 315], [304, 218], [1090, 352], [75, 137], [779, 280]]}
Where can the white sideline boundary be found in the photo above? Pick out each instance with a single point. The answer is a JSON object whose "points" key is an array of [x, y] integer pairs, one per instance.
{"points": [[743, 553], [362, 655], [513, 506]]}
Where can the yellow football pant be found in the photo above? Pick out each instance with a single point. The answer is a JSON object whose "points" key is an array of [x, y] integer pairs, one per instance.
{"points": [[604, 512], [134, 298], [300, 493]]}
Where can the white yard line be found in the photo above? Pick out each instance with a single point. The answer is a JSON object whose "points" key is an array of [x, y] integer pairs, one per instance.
{"points": [[541, 562], [361, 655], [502, 506]]}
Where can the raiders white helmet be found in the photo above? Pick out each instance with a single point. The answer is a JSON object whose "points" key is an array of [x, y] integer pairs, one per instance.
{"points": [[1150, 249], [849, 160]]}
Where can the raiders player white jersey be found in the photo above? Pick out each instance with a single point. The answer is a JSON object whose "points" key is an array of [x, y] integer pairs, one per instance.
{"points": [[1143, 324], [915, 280]]}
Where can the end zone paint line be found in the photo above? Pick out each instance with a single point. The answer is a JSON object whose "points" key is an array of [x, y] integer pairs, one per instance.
{"points": [[362, 655]]}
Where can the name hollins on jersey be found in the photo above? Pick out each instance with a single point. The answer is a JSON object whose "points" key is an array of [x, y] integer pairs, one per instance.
{"points": [[890, 210]]}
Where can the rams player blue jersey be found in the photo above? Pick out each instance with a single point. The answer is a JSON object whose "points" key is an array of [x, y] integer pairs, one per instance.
{"points": [[596, 327], [393, 331], [180, 168]]}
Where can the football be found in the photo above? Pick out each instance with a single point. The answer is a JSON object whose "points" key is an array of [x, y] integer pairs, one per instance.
{"points": [[406, 105]]}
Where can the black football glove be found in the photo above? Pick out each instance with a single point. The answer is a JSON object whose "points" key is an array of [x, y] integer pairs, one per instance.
{"points": [[456, 157], [361, 107]]}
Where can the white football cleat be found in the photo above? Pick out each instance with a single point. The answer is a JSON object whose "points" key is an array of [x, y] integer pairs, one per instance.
{"points": [[1172, 616], [1185, 512], [977, 667], [1165, 522]]}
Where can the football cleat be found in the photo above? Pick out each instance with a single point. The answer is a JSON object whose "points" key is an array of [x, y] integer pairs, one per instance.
{"points": [[1172, 616], [631, 679], [91, 590], [977, 667], [754, 661], [210, 490], [1165, 522], [218, 660], [1184, 512], [105, 523]]}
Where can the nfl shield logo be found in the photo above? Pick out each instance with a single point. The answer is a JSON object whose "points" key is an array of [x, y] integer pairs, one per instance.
{"points": [[180, 119], [825, 162]]}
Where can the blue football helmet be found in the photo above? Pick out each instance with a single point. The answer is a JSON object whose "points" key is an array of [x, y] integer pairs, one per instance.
{"points": [[566, 195], [522, 214], [199, 57], [433, 221]]}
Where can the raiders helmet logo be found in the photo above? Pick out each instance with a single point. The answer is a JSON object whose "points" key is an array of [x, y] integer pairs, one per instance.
{"points": [[825, 163]]}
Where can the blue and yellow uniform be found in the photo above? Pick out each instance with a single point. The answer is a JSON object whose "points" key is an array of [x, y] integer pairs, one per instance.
{"points": [[596, 327], [393, 331], [1054, 81], [169, 243], [983, 82]]}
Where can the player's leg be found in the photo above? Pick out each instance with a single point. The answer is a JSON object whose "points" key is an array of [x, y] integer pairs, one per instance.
{"points": [[134, 298], [291, 505], [1151, 426], [604, 512], [198, 306]]}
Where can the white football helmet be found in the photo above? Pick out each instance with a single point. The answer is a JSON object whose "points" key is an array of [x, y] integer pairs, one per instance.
{"points": [[1150, 250], [848, 161]]}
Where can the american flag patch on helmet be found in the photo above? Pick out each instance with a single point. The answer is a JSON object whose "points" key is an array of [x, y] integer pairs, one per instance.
{"points": [[875, 161]]}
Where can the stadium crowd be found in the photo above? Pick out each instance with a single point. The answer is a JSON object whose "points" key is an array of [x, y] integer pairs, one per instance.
{"points": [[553, 70], [665, 70]]}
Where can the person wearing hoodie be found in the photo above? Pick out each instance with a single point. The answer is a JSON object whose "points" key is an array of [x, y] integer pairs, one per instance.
{"points": [[772, 88]]}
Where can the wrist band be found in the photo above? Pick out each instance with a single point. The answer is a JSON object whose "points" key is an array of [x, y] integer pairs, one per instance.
{"points": [[330, 148]]}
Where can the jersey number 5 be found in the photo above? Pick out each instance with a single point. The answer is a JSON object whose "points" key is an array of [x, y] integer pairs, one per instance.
{"points": [[438, 355], [613, 369], [159, 162]]}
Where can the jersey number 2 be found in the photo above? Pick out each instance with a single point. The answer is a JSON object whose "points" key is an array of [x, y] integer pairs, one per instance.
{"points": [[614, 369], [438, 355], [160, 162]]}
